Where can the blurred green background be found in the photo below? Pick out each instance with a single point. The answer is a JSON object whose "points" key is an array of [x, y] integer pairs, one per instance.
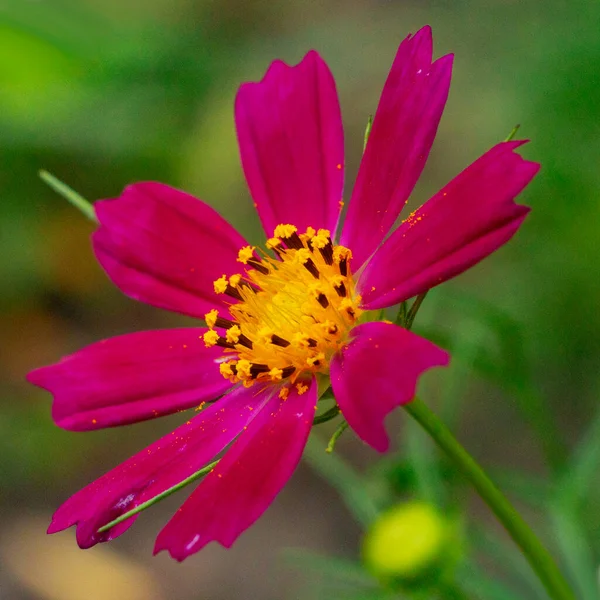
{"points": [[105, 93]]}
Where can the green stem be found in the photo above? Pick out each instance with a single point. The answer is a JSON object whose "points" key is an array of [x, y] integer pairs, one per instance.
{"points": [[336, 434], [367, 132], [78, 201], [512, 134], [414, 309], [538, 557], [333, 412], [159, 497]]}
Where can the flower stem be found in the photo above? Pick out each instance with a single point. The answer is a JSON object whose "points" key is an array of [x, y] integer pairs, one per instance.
{"points": [[414, 309], [144, 505], [336, 435], [69, 194], [535, 553]]}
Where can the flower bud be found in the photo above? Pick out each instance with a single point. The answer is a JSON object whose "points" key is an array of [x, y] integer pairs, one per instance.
{"points": [[409, 543]]}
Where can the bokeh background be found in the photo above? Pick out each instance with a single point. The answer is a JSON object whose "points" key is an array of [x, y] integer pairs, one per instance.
{"points": [[103, 93]]}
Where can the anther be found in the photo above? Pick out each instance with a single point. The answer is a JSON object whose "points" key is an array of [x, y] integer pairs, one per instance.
{"points": [[279, 341], [312, 343], [233, 292], [287, 372], [341, 290], [224, 323], [244, 341], [258, 265], [327, 253], [256, 369], [322, 300], [224, 343], [344, 266], [245, 254], [312, 268]]}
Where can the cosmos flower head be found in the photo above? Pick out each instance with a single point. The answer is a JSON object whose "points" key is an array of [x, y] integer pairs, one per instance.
{"points": [[285, 319]]}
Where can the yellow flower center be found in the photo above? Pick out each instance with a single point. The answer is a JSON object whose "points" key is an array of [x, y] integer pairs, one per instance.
{"points": [[294, 312]]}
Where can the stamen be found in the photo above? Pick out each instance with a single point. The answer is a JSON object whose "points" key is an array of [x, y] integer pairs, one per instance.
{"points": [[279, 341], [233, 334], [275, 245], [288, 234], [233, 293], [276, 374], [244, 341], [222, 286], [212, 338], [211, 317], [259, 266], [257, 369], [322, 300], [245, 254], [224, 323], [327, 253], [339, 286], [295, 310], [287, 372], [322, 241]]}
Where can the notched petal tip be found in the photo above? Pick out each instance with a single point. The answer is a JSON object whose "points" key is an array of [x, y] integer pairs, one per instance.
{"points": [[377, 372]]}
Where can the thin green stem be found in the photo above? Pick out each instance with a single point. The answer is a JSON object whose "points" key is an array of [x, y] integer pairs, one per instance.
{"points": [[78, 201], [535, 553], [414, 309], [336, 435], [512, 134], [401, 317], [367, 132], [159, 497], [333, 412]]}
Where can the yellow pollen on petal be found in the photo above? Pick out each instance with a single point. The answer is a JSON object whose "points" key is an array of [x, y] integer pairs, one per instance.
{"points": [[285, 231], [292, 311], [284, 393], [233, 334], [302, 388], [220, 285], [245, 254], [211, 338], [211, 317]]}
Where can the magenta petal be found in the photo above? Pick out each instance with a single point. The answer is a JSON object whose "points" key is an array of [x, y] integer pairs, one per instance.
{"points": [[155, 469], [246, 481], [468, 219], [132, 378], [165, 247], [377, 372], [291, 142], [404, 128]]}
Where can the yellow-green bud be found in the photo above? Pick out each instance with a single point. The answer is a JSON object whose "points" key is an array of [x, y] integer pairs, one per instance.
{"points": [[408, 542]]}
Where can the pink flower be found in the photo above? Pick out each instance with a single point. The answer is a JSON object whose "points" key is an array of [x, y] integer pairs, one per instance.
{"points": [[281, 323]]}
